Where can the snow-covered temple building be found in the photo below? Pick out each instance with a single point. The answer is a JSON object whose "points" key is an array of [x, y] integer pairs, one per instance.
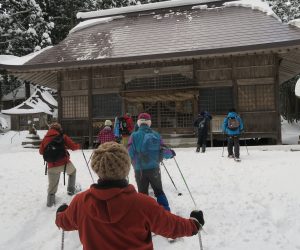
{"points": [[171, 59]]}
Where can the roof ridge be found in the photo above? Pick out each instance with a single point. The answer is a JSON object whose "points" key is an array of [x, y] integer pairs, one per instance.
{"points": [[146, 8]]}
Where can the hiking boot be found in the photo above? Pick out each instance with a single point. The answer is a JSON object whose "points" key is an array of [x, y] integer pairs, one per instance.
{"points": [[198, 149], [50, 200], [230, 156], [71, 184], [203, 148]]}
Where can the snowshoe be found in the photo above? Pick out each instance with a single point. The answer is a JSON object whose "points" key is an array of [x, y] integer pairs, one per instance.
{"points": [[76, 190]]}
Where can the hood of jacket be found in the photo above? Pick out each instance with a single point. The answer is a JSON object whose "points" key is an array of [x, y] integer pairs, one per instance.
{"points": [[109, 205], [232, 114], [52, 132]]}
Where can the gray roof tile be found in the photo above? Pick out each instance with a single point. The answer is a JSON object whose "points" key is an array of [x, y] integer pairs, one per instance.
{"points": [[196, 30]]}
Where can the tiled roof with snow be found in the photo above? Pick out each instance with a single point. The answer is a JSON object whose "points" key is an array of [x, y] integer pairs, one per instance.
{"points": [[169, 33], [41, 101], [16, 60]]}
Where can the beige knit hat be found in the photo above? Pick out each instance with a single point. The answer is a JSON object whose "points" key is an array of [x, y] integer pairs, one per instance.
{"points": [[107, 123], [111, 161]]}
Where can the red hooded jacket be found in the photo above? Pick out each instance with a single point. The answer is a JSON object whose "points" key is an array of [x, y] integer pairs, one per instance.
{"points": [[120, 218], [68, 143]]}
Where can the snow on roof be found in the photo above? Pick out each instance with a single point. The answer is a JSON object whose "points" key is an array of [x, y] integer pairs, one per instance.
{"points": [[255, 5], [16, 60], [92, 22], [41, 101], [295, 22], [297, 88], [139, 8], [103, 15]]}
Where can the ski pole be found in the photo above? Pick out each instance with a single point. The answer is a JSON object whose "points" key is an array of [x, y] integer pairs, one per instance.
{"points": [[223, 145], [87, 165], [246, 147], [179, 194], [199, 233], [62, 239], [90, 158]]}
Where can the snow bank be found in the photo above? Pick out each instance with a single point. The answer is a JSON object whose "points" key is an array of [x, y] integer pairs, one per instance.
{"points": [[139, 8], [16, 60], [92, 22], [295, 22], [255, 5]]}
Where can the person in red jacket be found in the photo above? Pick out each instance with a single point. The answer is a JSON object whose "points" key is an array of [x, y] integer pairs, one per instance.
{"points": [[112, 215], [62, 165]]}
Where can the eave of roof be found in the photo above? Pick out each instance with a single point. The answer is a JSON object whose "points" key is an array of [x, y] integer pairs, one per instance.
{"points": [[295, 44]]}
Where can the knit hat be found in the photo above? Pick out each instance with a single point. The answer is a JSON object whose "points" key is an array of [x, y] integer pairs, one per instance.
{"points": [[111, 161], [56, 126], [108, 123], [144, 118]]}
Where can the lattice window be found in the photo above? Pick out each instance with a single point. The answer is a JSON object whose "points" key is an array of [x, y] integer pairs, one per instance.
{"points": [[216, 100], [160, 81], [170, 114], [108, 105], [256, 97], [75, 107]]}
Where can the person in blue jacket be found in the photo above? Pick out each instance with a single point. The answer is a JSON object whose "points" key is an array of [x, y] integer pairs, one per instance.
{"points": [[144, 148], [233, 127]]}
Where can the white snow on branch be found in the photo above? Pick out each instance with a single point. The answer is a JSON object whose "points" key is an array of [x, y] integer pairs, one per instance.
{"points": [[295, 22], [255, 5], [16, 60]]}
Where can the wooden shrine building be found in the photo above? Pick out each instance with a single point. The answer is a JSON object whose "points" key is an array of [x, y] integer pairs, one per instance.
{"points": [[173, 62]]}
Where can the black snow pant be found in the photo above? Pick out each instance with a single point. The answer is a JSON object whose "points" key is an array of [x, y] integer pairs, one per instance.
{"points": [[233, 142], [202, 137], [153, 177], [150, 176]]}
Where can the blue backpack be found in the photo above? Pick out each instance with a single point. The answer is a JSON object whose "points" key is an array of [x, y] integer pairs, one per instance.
{"points": [[150, 148]]}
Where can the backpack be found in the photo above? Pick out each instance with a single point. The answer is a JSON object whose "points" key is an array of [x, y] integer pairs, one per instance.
{"points": [[233, 123], [55, 150], [201, 124], [150, 148], [123, 126]]}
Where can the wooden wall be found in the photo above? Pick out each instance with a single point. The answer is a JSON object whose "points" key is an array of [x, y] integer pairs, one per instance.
{"points": [[252, 81]]}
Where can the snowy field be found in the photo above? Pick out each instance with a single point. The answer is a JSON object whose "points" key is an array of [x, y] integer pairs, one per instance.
{"points": [[251, 205]]}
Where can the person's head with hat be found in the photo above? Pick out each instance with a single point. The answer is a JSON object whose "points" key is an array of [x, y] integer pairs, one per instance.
{"points": [[56, 126], [111, 161], [144, 118]]}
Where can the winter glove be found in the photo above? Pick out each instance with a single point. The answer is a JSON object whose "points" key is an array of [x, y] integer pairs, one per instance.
{"points": [[62, 208], [198, 215], [173, 152]]}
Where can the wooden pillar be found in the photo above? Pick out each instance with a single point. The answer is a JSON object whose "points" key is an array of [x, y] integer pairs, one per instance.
{"points": [[90, 106], [277, 101], [59, 98], [235, 85]]}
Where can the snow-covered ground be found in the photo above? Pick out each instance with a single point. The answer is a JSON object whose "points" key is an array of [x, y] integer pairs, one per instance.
{"points": [[251, 205]]}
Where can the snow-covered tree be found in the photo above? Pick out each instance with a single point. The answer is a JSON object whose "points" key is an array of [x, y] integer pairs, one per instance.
{"points": [[286, 10], [23, 28], [63, 12]]}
